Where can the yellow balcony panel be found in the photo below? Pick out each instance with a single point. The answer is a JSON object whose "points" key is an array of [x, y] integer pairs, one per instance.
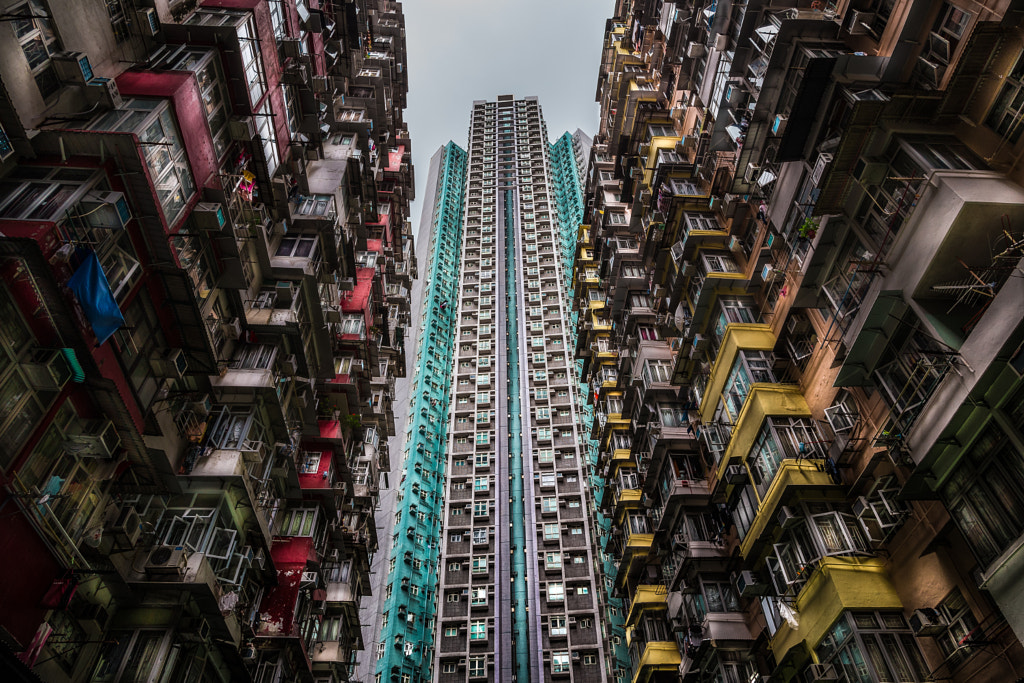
{"points": [[597, 304], [838, 583], [620, 458], [737, 337], [792, 474], [607, 355], [626, 499], [647, 598], [657, 656], [764, 400], [639, 543]]}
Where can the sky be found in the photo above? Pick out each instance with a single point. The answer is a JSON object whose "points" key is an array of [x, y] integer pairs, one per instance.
{"points": [[465, 50]]}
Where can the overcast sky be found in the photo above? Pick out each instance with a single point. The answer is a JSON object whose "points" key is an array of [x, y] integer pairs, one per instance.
{"points": [[466, 50]]}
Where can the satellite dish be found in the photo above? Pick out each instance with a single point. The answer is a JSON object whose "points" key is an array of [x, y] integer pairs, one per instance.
{"points": [[94, 536]]}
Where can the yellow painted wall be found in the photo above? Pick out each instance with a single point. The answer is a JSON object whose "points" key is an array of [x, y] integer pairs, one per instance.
{"points": [[747, 336], [839, 583]]}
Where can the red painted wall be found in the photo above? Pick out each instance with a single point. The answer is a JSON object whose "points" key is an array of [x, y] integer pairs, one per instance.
{"points": [[182, 88]]}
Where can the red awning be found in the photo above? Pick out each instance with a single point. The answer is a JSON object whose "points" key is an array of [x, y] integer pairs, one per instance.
{"points": [[358, 298], [277, 609], [395, 159]]}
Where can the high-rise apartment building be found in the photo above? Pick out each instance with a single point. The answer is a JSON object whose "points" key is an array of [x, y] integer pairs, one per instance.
{"points": [[799, 298], [206, 260], [406, 596], [518, 593]]}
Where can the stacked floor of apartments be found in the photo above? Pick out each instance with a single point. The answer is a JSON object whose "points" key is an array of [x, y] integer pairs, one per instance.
{"points": [[799, 291], [206, 261]]}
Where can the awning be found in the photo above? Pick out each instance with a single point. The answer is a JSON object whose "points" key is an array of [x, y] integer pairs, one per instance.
{"points": [[884, 321], [89, 283], [765, 178]]}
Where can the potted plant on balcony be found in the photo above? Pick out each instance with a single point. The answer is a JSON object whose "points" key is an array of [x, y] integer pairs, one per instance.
{"points": [[809, 228]]}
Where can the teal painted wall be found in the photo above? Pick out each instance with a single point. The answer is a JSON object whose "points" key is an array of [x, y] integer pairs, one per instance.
{"points": [[408, 604]]}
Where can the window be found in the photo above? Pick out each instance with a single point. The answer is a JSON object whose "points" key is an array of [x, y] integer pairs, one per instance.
{"points": [[589, 660], [479, 536], [454, 567], [478, 630], [299, 522], [264, 119], [1008, 108], [556, 592], [252, 61], [985, 494], [548, 504], [954, 640], [479, 597], [477, 666], [873, 646], [480, 484], [553, 561], [296, 247], [658, 371], [556, 626], [354, 324], [38, 41], [551, 532], [560, 662], [479, 565], [452, 597], [448, 667]]}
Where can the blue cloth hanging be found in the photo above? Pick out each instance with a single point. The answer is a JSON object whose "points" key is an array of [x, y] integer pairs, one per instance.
{"points": [[89, 283]]}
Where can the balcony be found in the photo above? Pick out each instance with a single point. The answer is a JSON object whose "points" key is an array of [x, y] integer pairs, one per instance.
{"points": [[837, 584], [658, 657]]}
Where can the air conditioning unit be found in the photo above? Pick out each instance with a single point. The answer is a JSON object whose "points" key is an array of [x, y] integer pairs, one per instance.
{"points": [[46, 370], [231, 328], [203, 405], [172, 365], [735, 244], [72, 67], [821, 165], [927, 622], [194, 630], [575, 656], [820, 672], [285, 292], [869, 171], [104, 91], [722, 42], [798, 324], [462, 662], [149, 22], [768, 272], [167, 559], [700, 343], [320, 84], [688, 269], [128, 526], [749, 585], [93, 620], [735, 474], [105, 210], [291, 48], [97, 439], [786, 517], [346, 284], [242, 128], [289, 366], [860, 22], [332, 315], [751, 172], [209, 216], [695, 50], [572, 621], [779, 124], [308, 577]]}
